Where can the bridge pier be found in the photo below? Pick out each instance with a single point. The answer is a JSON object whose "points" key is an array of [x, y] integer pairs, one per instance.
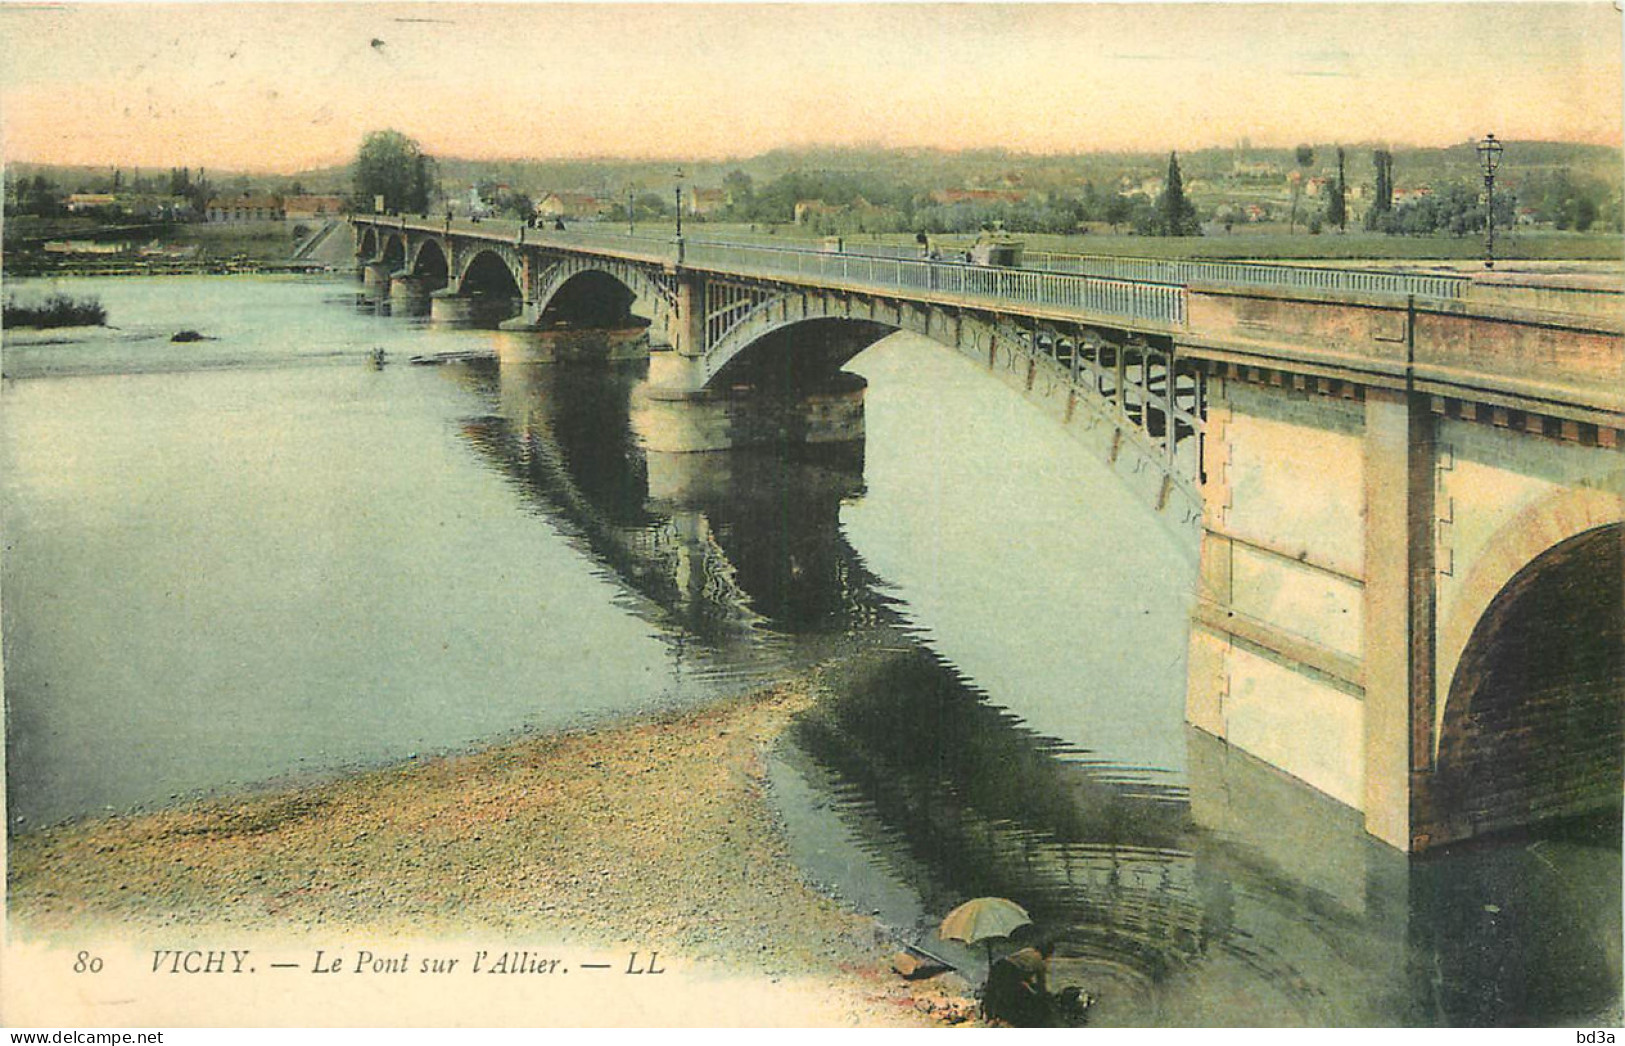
{"points": [[529, 318], [376, 276], [408, 294], [1312, 633], [686, 331], [680, 420], [1354, 537], [520, 344], [447, 306], [1398, 612]]}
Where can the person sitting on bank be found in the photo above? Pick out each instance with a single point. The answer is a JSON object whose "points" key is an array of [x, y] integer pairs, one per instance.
{"points": [[1017, 990]]}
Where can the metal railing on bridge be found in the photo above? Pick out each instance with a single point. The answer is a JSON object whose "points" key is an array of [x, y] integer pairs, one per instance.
{"points": [[1251, 274], [1130, 299], [1180, 272], [1160, 303], [1136, 288], [1185, 272]]}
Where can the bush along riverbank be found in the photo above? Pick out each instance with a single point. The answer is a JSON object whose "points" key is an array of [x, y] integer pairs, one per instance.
{"points": [[59, 310]]}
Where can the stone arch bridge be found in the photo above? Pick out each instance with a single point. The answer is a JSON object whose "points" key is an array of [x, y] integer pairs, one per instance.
{"points": [[1406, 494]]}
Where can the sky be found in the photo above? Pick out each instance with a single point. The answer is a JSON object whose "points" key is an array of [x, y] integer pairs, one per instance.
{"points": [[273, 87]]}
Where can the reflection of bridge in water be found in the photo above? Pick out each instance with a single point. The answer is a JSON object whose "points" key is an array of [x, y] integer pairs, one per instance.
{"points": [[1243, 901], [1240, 891], [744, 549], [1396, 488], [733, 548]]}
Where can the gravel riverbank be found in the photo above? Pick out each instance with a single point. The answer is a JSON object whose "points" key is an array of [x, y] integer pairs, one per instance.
{"points": [[648, 835]]}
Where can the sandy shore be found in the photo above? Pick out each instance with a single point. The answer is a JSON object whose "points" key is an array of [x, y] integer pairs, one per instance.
{"points": [[649, 835]]}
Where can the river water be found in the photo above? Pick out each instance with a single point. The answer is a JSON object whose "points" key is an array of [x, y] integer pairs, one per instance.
{"points": [[255, 560]]}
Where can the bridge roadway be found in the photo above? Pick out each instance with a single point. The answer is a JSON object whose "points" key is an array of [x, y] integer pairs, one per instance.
{"points": [[1310, 317], [1407, 501]]}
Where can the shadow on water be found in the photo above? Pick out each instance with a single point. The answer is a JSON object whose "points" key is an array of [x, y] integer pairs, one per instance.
{"points": [[1185, 883], [1248, 901], [1524, 929], [1227, 895], [737, 550]]}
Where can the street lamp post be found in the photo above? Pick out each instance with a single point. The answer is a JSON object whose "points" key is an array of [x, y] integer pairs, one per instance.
{"points": [[631, 228], [1489, 159], [679, 203]]}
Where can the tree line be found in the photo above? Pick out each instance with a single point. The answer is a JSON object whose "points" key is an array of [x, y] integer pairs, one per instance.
{"points": [[866, 203]]}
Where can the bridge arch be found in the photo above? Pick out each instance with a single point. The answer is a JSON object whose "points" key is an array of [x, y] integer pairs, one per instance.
{"points": [[750, 339], [589, 299], [600, 292], [430, 261], [367, 244], [1533, 720], [489, 270], [802, 354], [392, 252], [491, 273]]}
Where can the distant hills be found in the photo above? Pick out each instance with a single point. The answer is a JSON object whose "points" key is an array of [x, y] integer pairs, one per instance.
{"points": [[920, 169]]}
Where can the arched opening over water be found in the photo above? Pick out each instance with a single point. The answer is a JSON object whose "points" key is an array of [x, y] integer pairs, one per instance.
{"points": [[1533, 726], [394, 253], [492, 288], [800, 356], [592, 299], [430, 265]]}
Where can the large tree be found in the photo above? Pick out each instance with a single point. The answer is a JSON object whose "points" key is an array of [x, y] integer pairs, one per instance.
{"points": [[393, 166], [1176, 214], [1382, 204], [1305, 156], [740, 193], [1337, 211]]}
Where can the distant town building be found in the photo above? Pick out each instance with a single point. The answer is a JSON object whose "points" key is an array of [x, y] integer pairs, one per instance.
{"points": [[950, 197], [169, 251], [162, 207], [858, 216], [87, 201], [244, 208], [84, 247], [807, 210], [308, 206], [705, 202], [570, 205], [1243, 169]]}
